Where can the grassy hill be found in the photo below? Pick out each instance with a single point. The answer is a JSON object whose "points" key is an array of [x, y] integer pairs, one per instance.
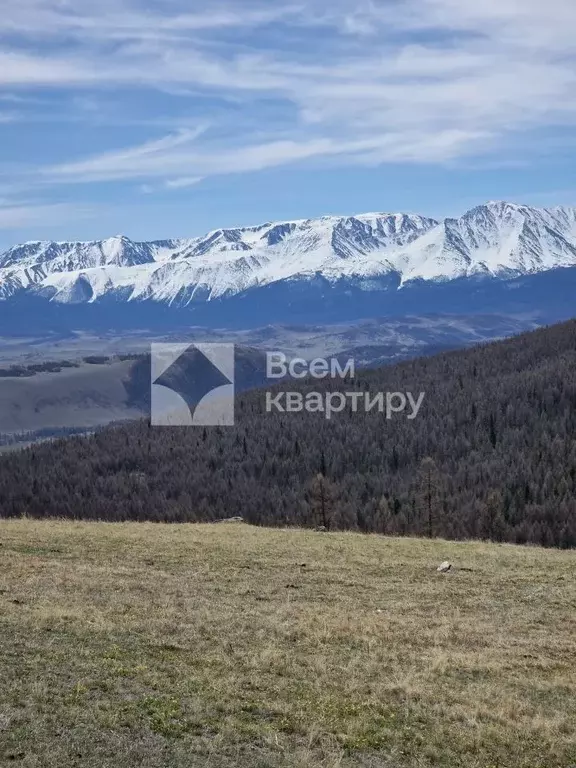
{"points": [[225, 645]]}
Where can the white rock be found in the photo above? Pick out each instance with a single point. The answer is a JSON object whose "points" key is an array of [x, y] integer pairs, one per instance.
{"points": [[444, 567]]}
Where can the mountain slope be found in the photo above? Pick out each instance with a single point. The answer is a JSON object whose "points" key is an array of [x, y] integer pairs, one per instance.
{"points": [[223, 262], [499, 422], [497, 239]]}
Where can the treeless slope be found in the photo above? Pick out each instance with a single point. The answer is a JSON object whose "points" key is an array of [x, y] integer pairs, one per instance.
{"points": [[81, 397], [143, 645]]}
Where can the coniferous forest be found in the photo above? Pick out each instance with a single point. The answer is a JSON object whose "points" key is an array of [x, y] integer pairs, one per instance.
{"points": [[492, 454]]}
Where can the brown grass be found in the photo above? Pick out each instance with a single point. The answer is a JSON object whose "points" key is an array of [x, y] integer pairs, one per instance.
{"points": [[225, 645]]}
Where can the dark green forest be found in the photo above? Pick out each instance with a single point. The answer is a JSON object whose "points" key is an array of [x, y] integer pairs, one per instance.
{"points": [[492, 454]]}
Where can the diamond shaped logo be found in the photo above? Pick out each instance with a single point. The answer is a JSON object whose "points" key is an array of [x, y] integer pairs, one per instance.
{"points": [[192, 385]]}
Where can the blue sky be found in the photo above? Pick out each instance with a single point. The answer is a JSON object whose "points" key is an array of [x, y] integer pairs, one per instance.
{"points": [[165, 118]]}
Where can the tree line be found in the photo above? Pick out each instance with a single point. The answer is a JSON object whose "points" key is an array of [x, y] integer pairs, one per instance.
{"points": [[491, 454]]}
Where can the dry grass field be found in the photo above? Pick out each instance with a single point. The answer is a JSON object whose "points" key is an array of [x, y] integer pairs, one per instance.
{"points": [[223, 645]]}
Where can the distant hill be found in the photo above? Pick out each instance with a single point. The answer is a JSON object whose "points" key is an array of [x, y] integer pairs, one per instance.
{"points": [[54, 396], [498, 423]]}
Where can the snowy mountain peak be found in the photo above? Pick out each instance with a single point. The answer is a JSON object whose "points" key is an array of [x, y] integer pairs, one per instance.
{"points": [[501, 205], [498, 238]]}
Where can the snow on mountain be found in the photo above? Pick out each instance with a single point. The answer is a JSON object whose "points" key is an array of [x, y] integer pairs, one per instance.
{"points": [[496, 239]]}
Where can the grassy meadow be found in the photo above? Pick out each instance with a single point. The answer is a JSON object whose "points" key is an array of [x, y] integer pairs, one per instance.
{"points": [[193, 646]]}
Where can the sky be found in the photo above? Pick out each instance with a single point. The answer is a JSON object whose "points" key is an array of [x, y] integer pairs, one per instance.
{"points": [[166, 118]]}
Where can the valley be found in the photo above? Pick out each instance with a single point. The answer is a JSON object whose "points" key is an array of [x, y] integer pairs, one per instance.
{"points": [[287, 384], [81, 396]]}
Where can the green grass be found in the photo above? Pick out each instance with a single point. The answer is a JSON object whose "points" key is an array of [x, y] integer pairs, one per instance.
{"points": [[225, 645]]}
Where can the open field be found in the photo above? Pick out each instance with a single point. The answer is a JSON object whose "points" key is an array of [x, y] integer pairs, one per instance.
{"points": [[224, 645], [86, 396]]}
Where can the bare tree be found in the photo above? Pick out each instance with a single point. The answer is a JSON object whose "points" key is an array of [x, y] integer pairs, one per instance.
{"points": [[429, 493], [322, 496]]}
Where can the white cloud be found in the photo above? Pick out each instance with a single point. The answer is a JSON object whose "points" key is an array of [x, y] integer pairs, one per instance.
{"points": [[114, 19], [43, 215], [183, 182], [168, 158], [359, 81], [143, 155]]}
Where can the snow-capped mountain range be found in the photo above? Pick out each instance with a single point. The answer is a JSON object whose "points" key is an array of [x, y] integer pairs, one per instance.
{"points": [[369, 253]]}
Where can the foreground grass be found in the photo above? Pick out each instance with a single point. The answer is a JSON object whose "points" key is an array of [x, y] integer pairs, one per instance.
{"points": [[225, 645]]}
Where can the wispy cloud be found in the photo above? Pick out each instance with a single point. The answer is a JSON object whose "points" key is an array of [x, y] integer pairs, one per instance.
{"points": [[114, 19], [145, 155], [163, 158], [41, 215], [183, 182], [356, 81]]}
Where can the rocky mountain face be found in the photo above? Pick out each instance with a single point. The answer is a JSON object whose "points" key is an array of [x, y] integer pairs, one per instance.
{"points": [[374, 263]]}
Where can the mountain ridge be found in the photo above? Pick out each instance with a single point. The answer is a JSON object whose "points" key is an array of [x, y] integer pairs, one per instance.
{"points": [[501, 258], [499, 239]]}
